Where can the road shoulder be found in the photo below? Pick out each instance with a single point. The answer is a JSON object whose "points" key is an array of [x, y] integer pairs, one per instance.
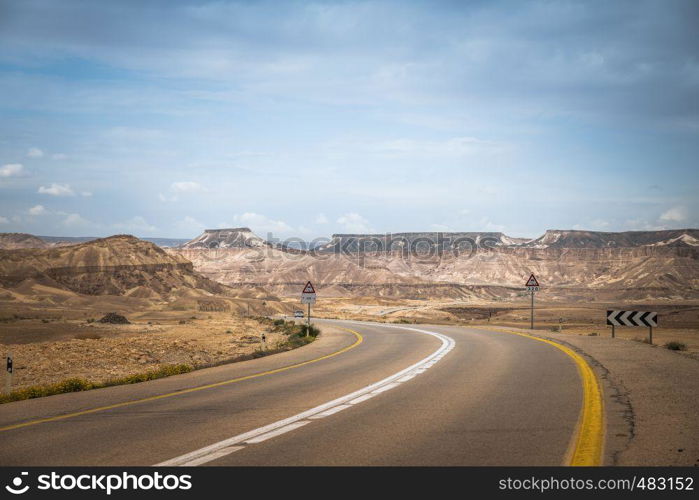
{"points": [[650, 398]]}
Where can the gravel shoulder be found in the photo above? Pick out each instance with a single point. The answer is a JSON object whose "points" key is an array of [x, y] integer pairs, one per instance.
{"points": [[652, 399]]}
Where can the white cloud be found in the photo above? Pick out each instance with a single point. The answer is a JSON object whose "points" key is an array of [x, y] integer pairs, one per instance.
{"points": [[321, 219], [262, 223], [354, 223], [11, 170], [57, 190], [3, 220], [38, 210], [675, 214], [186, 187], [87, 194], [35, 153], [59, 156], [487, 225], [181, 187], [77, 220], [136, 224], [190, 225]]}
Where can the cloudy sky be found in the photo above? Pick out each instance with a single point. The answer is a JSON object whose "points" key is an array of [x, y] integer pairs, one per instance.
{"points": [[308, 118]]}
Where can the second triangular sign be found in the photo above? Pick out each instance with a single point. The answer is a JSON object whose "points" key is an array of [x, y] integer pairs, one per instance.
{"points": [[530, 282]]}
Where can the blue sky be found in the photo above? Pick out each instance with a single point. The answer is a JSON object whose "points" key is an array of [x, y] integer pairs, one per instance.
{"points": [[310, 118]]}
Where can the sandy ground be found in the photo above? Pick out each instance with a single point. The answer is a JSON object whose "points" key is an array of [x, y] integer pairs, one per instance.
{"points": [[48, 351]]}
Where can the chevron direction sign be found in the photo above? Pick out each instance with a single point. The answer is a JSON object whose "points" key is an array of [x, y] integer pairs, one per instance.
{"points": [[632, 318]]}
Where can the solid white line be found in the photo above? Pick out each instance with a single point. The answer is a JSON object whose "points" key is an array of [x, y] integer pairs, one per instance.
{"points": [[208, 453], [331, 411], [278, 432], [361, 399], [220, 453], [385, 388]]}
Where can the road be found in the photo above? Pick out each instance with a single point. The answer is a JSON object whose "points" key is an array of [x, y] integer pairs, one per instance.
{"points": [[363, 394]]}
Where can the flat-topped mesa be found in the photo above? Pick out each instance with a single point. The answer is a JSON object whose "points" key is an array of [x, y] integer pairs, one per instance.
{"points": [[555, 238], [417, 241], [234, 237]]}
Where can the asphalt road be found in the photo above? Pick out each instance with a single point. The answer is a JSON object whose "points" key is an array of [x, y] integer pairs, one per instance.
{"points": [[489, 398]]}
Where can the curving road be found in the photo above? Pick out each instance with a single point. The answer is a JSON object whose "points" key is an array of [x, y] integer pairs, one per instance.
{"points": [[363, 394]]}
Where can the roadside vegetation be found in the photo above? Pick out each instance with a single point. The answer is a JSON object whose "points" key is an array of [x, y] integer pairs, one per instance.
{"points": [[673, 345], [295, 336], [81, 384]]}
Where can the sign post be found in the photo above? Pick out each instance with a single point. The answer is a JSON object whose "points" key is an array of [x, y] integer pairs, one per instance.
{"points": [[308, 296], [9, 367], [633, 318], [532, 287]]}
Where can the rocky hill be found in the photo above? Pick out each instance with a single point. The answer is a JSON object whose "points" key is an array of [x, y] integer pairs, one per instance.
{"points": [[118, 265], [12, 241], [236, 237]]}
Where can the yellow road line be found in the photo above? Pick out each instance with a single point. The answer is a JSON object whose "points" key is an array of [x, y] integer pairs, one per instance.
{"points": [[358, 340], [588, 440]]}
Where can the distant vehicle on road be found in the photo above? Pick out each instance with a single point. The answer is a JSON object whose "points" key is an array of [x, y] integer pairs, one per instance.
{"points": [[298, 314]]}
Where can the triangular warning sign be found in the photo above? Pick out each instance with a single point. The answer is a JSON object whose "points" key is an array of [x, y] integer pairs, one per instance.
{"points": [[309, 288], [532, 281]]}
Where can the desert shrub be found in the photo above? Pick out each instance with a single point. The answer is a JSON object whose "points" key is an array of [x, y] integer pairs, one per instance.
{"points": [[45, 321], [182, 322], [674, 345], [115, 319], [592, 334]]}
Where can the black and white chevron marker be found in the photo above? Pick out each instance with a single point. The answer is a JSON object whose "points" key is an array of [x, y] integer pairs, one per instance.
{"points": [[632, 318]]}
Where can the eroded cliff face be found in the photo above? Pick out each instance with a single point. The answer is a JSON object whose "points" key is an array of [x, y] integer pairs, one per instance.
{"points": [[621, 272], [556, 238], [116, 265]]}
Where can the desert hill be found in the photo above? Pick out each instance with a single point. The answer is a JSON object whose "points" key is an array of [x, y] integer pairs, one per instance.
{"points": [[118, 265], [12, 241]]}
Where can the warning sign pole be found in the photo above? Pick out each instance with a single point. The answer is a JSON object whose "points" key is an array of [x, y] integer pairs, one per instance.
{"points": [[308, 296], [308, 321], [8, 376], [532, 285]]}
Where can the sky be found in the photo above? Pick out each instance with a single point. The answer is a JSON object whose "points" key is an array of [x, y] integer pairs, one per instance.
{"points": [[162, 118]]}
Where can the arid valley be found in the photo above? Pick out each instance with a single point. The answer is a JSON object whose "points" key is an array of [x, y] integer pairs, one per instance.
{"points": [[199, 303]]}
